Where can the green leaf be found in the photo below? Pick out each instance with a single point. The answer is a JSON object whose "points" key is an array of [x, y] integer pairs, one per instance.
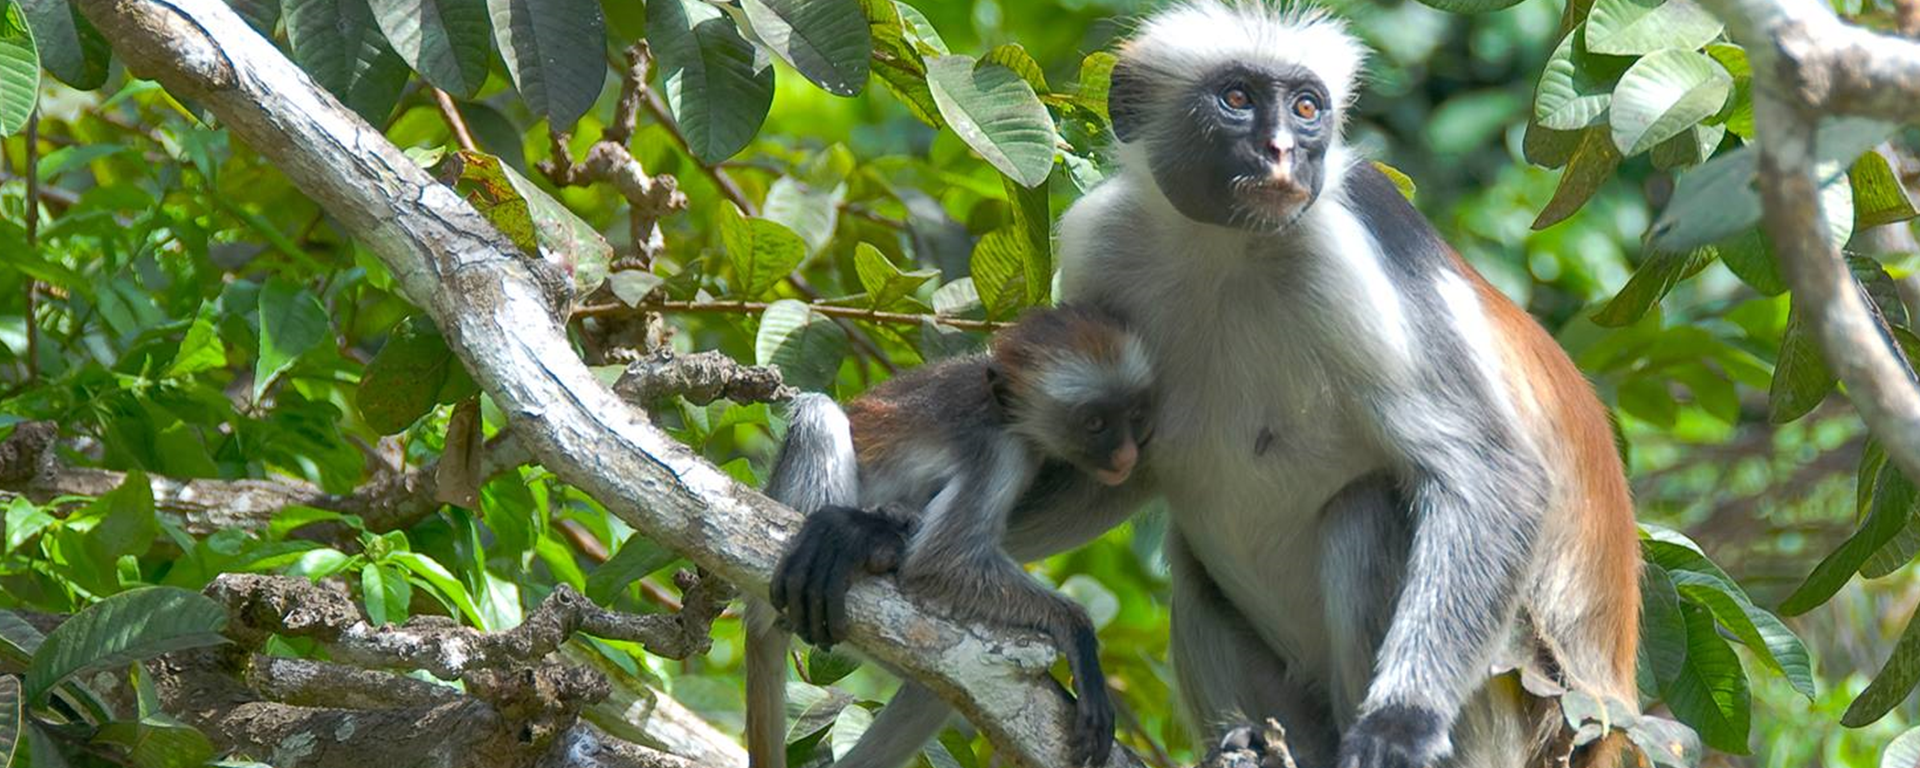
{"points": [[413, 372], [291, 323], [1663, 629], [157, 741], [1655, 277], [806, 347], [762, 252], [385, 595], [1588, 169], [638, 557], [1878, 197], [1894, 501], [449, 42], [1095, 82], [1750, 256], [1033, 219], [122, 521], [897, 58], [484, 184], [443, 582], [717, 85], [1549, 148], [19, 69], [1668, 744], [1801, 379], [1400, 180], [996, 113], [1892, 683], [12, 718], [1710, 693], [847, 729], [1575, 86], [1640, 27], [18, 641], [1760, 631], [1692, 147], [340, 46], [1015, 57], [555, 51], [201, 350], [127, 627], [1471, 6], [827, 667], [566, 240], [825, 40], [69, 46], [807, 210], [886, 285], [1663, 94], [1903, 751], [999, 272], [632, 286]]}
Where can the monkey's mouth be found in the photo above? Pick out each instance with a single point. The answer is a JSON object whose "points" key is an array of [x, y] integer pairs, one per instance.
{"points": [[1270, 201], [1112, 476]]}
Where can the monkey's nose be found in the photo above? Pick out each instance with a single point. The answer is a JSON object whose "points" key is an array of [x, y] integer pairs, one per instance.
{"points": [[1277, 148], [1120, 465]]}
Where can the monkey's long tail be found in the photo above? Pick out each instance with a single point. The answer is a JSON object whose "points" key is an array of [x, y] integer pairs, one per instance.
{"points": [[816, 468]]}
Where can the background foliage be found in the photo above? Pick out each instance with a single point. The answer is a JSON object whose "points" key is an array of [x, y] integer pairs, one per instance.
{"points": [[869, 185]]}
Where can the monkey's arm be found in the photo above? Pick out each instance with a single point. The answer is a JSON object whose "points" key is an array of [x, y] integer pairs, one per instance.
{"points": [[1476, 493], [811, 580]]}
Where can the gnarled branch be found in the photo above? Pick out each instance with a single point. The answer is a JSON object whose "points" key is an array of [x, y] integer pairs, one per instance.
{"points": [[495, 314]]}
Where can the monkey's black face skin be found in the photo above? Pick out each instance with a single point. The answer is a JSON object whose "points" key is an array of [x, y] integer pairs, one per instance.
{"points": [[1246, 148], [1102, 437]]}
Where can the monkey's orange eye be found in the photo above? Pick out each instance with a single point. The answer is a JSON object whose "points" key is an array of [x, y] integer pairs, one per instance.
{"points": [[1307, 107], [1237, 98]]}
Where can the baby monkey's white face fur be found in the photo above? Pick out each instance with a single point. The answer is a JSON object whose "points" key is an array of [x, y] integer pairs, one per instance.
{"points": [[1235, 109]]}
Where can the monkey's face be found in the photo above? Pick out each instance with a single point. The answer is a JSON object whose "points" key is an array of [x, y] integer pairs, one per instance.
{"points": [[1103, 438], [1246, 147]]}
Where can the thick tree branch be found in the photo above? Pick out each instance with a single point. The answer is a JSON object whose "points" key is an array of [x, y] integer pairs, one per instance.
{"points": [[1808, 65], [500, 320]]}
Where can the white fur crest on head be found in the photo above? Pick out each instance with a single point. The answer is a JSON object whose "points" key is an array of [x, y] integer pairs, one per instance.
{"points": [[1200, 35]]}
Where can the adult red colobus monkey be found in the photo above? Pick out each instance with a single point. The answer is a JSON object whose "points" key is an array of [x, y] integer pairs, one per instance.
{"points": [[1381, 473]]}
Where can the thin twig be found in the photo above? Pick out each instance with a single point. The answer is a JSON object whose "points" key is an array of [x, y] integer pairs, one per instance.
{"points": [[757, 307], [456, 123]]}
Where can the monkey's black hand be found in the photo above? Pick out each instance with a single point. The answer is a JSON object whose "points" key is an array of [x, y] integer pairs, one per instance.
{"points": [[1396, 736], [1093, 719], [810, 583]]}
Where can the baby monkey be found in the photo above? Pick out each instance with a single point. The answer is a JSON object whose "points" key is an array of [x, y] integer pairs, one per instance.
{"points": [[949, 459]]}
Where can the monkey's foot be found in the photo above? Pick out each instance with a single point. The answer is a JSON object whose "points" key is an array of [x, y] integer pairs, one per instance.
{"points": [[1251, 746]]}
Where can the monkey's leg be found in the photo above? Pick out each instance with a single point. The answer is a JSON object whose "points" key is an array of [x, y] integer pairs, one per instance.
{"points": [[1364, 536], [1225, 670], [911, 719]]}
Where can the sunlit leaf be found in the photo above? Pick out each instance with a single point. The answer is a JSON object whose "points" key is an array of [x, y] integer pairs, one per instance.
{"points": [[1878, 196], [1663, 94], [999, 272], [1638, 27], [825, 40], [805, 346], [157, 741], [1575, 86], [886, 285], [848, 728], [997, 114], [762, 252], [1903, 751], [12, 718], [19, 69], [717, 85], [413, 372]]}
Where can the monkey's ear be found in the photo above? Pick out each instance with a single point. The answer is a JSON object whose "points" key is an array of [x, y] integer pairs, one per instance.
{"points": [[1126, 100], [1001, 388]]}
